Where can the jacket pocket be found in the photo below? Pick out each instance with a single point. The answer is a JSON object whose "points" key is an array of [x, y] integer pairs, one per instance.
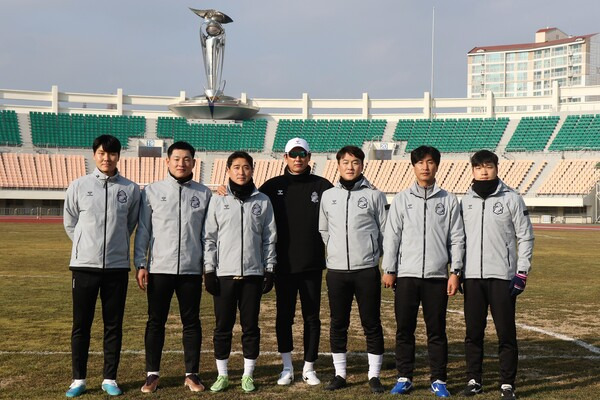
{"points": [[77, 245]]}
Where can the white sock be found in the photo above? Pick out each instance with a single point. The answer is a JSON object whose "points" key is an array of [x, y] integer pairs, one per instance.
{"points": [[152, 373], [286, 358], [249, 367], [308, 366], [339, 362], [375, 361], [77, 382], [222, 367], [109, 382]]}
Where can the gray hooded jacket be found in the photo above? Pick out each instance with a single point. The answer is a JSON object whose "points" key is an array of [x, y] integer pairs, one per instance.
{"points": [[494, 227], [424, 233], [351, 223], [100, 214], [239, 236], [169, 235]]}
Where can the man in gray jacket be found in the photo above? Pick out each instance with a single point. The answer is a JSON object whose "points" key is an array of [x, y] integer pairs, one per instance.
{"points": [[351, 223], [424, 233], [239, 257], [168, 258], [497, 226], [100, 214]]}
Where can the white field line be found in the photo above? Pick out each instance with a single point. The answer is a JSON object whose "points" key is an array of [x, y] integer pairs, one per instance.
{"points": [[581, 343], [274, 353]]}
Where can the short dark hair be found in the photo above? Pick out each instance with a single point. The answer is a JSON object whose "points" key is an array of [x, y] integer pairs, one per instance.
{"points": [[109, 143], [353, 151], [420, 152], [240, 154], [484, 157], [181, 145]]}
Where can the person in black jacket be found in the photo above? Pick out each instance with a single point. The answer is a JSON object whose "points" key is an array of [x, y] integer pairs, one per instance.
{"points": [[296, 197]]}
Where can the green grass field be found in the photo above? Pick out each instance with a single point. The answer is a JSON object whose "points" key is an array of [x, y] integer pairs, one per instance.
{"points": [[561, 302]]}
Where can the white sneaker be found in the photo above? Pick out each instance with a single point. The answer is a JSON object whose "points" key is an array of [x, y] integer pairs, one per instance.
{"points": [[286, 377], [310, 377]]}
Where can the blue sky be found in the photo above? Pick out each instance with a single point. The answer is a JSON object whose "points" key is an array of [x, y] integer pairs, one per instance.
{"points": [[275, 48]]}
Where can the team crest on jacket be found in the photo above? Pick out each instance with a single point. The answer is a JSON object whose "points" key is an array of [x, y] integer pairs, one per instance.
{"points": [[440, 209], [122, 197], [498, 208], [256, 209], [314, 197], [362, 202], [195, 203]]}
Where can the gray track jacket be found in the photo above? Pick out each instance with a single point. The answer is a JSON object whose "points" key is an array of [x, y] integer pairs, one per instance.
{"points": [[424, 233], [169, 235], [100, 215], [351, 223], [240, 236], [494, 227]]}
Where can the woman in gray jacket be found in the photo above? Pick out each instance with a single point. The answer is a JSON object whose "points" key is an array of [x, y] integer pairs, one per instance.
{"points": [[239, 258]]}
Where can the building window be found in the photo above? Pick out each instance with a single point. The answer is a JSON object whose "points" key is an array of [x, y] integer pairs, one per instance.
{"points": [[522, 76], [537, 85], [559, 51], [537, 75], [494, 68], [559, 61], [522, 56], [575, 48], [494, 57], [576, 59], [476, 68], [538, 54], [522, 66], [494, 77], [495, 87], [537, 65], [480, 58]]}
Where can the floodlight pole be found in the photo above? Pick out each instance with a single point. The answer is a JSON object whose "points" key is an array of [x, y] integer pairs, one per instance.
{"points": [[597, 203], [432, 57]]}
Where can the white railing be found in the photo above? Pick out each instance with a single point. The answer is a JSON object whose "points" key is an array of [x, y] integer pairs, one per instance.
{"points": [[119, 103]]}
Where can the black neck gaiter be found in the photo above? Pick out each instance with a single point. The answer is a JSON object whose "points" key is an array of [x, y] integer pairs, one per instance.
{"points": [[349, 185], [485, 188], [242, 192]]}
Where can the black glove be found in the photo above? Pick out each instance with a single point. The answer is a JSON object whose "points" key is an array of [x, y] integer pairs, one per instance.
{"points": [[517, 284], [211, 282], [268, 282]]}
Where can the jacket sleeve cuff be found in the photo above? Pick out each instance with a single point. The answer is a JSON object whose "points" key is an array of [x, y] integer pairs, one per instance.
{"points": [[270, 268], [208, 268]]}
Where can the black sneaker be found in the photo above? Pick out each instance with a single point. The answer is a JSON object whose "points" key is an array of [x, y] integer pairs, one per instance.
{"points": [[473, 388], [336, 383], [375, 385], [507, 392]]}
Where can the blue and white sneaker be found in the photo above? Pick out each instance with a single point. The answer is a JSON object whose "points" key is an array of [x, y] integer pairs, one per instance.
{"points": [[76, 389], [403, 386], [439, 389], [111, 388]]}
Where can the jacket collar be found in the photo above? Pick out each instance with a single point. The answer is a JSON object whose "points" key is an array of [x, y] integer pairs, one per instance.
{"points": [[105, 178], [172, 180], [363, 183], [419, 190], [502, 187]]}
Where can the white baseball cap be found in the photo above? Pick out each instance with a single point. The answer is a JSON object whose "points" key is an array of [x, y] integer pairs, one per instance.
{"points": [[297, 142]]}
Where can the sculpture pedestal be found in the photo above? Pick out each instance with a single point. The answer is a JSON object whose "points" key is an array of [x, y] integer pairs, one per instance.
{"points": [[225, 107]]}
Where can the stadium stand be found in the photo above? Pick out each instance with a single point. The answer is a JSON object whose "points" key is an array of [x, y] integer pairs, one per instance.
{"points": [[532, 133], [79, 130], [328, 135], [249, 135], [145, 170], [571, 177], [451, 135], [578, 132], [40, 171], [10, 133]]}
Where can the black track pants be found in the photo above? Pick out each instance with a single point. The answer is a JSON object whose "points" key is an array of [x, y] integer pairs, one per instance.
{"points": [[288, 286], [112, 287], [243, 294], [432, 294], [479, 294], [365, 284], [188, 289]]}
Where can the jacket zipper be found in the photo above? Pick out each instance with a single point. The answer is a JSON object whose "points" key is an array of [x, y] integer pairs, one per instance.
{"points": [[179, 233], [481, 250], [105, 221], [242, 236], [424, 231], [347, 241]]}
